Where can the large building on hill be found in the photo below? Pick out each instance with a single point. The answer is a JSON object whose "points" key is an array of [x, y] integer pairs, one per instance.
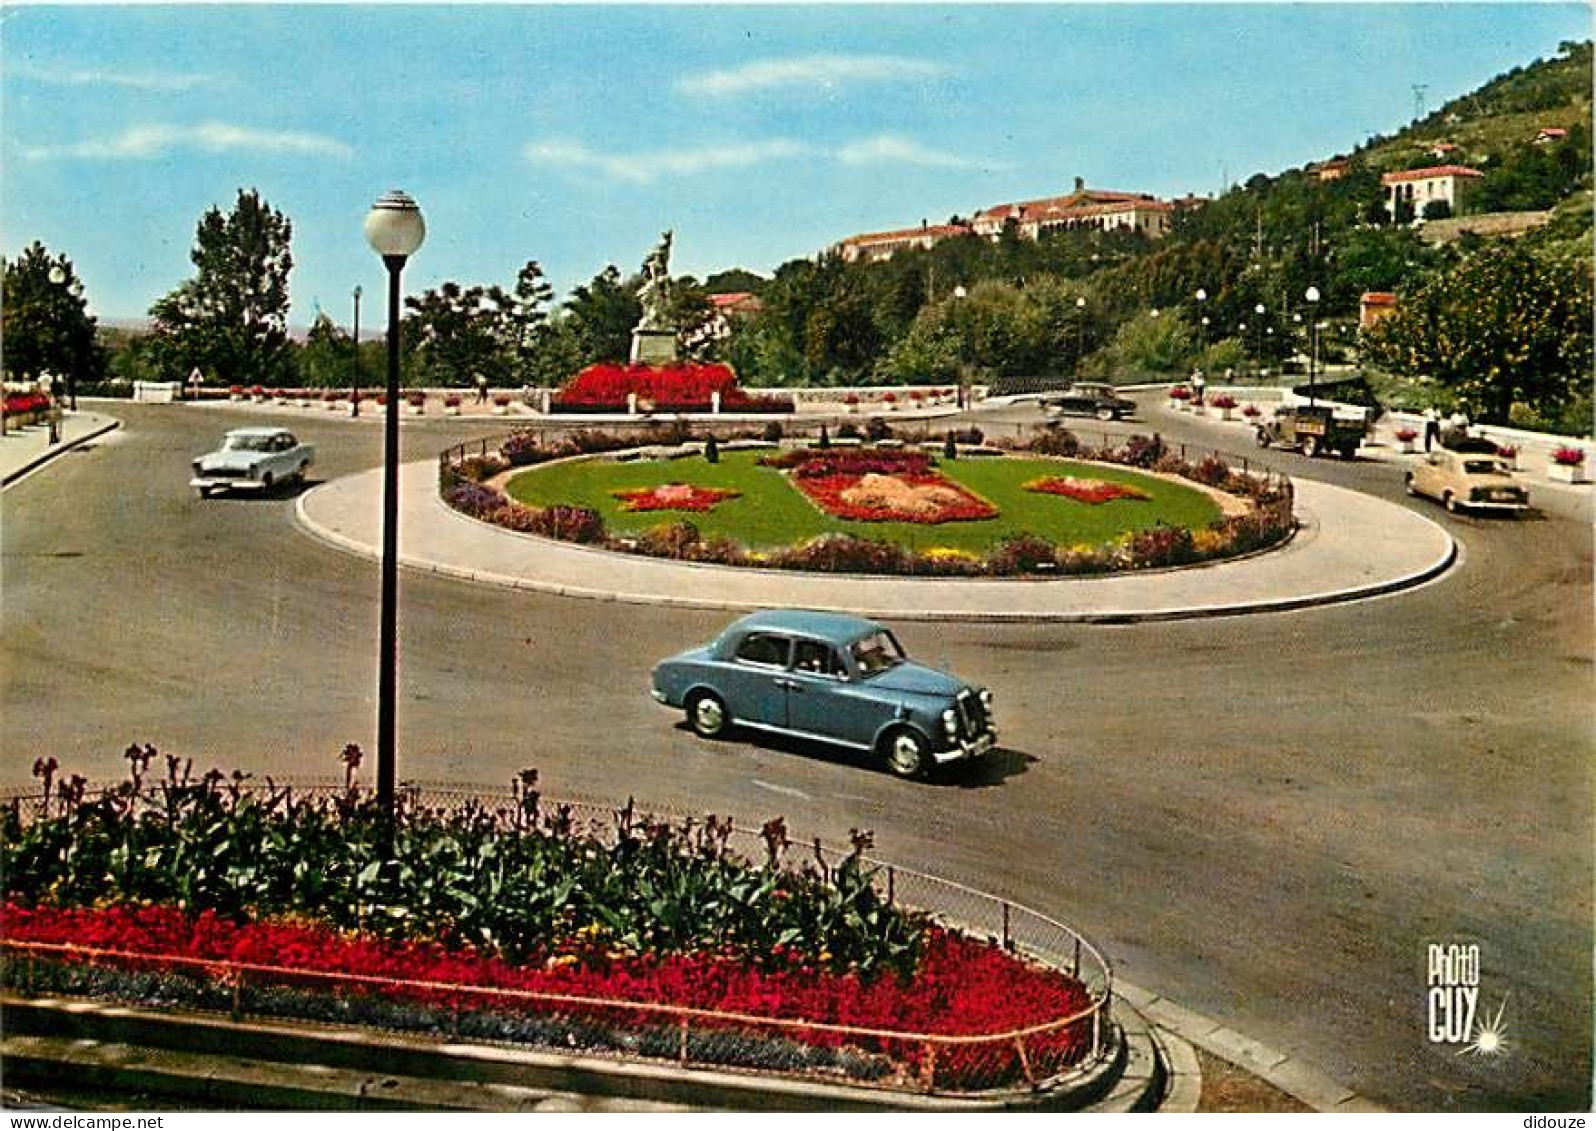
{"points": [[1096, 209], [1093, 209], [873, 247]]}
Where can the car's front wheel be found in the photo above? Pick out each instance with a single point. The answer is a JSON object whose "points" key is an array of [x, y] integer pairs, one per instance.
{"points": [[706, 714], [906, 753], [1107, 414]]}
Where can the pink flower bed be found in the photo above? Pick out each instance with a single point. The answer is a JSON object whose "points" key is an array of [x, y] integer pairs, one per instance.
{"points": [[674, 497], [1084, 490]]}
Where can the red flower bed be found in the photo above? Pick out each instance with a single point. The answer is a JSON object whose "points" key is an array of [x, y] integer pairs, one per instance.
{"points": [[881, 485], [1084, 490], [675, 497], [963, 987], [688, 387], [21, 404]]}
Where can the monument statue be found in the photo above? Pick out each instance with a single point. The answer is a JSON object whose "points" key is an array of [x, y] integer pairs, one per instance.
{"points": [[654, 338]]}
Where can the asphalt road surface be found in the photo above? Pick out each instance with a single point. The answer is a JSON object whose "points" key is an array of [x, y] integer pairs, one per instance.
{"points": [[1266, 818]]}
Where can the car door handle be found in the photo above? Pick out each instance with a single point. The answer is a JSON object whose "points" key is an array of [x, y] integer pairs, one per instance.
{"points": [[790, 684]]}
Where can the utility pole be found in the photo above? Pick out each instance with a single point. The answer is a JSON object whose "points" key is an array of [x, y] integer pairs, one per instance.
{"points": [[1418, 100]]}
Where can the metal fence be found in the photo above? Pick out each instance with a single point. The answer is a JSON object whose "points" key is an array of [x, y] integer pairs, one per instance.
{"points": [[809, 1047]]}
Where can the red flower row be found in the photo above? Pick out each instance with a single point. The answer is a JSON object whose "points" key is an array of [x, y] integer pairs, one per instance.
{"points": [[1084, 490], [663, 385], [17, 404], [674, 497], [817, 464], [963, 987]]}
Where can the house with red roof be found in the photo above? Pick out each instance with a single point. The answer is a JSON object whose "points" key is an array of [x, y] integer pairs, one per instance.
{"points": [[873, 247], [1097, 209], [1550, 134], [1416, 189]]}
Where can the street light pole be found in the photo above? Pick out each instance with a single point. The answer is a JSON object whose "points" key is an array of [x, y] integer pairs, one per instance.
{"points": [[354, 379], [1260, 311], [1080, 332], [395, 230], [1312, 295]]}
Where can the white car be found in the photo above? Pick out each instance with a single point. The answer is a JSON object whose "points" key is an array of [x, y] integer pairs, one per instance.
{"points": [[257, 458]]}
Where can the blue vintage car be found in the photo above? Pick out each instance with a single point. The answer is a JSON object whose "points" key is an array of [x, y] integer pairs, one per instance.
{"points": [[828, 676]]}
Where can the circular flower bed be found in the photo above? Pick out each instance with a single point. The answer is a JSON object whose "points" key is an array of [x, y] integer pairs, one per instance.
{"points": [[1153, 518]]}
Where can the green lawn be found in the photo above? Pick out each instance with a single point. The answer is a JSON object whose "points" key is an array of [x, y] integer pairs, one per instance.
{"points": [[772, 513]]}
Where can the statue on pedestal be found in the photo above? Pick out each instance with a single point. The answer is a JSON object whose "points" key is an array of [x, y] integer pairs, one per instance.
{"points": [[653, 338]]}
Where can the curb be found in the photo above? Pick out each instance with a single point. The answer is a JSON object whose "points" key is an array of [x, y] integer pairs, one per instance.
{"points": [[1241, 608], [1294, 1077], [54, 450]]}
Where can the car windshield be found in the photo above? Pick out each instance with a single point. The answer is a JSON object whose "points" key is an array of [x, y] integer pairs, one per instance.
{"points": [[1480, 466], [876, 653], [247, 443]]}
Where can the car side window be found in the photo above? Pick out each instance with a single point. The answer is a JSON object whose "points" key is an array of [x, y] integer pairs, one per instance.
{"points": [[765, 649], [817, 658]]}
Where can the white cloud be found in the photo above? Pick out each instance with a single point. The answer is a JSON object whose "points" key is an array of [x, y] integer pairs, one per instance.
{"points": [[143, 143], [130, 80], [646, 167], [891, 149], [829, 71]]}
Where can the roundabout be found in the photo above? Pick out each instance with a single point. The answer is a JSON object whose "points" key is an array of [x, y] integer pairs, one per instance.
{"points": [[1349, 546]]}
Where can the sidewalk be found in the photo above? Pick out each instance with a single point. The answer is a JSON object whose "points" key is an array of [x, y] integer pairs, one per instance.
{"points": [[1350, 546], [23, 449]]}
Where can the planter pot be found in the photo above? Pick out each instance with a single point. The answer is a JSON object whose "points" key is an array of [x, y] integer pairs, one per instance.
{"points": [[501, 410], [1509, 462], [1405, 447], [1223, 413], [1177, 406], [416, 410], [1567, 473], [452, 410]]}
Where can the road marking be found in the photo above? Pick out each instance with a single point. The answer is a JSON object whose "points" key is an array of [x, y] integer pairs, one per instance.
{"points": [[784, 789]]}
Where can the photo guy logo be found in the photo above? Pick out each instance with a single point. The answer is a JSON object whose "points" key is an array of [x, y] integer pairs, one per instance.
{"points": [[1453, 1001]]}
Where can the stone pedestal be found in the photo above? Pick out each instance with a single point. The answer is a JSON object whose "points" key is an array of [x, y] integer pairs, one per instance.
{"points": [[653, 347]]}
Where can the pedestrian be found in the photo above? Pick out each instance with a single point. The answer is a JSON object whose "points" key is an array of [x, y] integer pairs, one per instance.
{"points": [[482, 388], [1198, 384], [54, 414], [1432, 427]]}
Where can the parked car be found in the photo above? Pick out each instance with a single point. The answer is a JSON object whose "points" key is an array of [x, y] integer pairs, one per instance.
{"points": [[836, 678], [257, 458], [1089, 399], [1471, 480]]}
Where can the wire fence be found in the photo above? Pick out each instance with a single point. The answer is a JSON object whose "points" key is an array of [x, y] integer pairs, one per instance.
{"points": [[811, 1047]]}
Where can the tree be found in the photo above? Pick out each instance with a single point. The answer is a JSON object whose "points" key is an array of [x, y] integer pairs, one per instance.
{"points": [[326, 359], [45, 322], [1504, 327], [457, 335], [231, 319], [523, 320], [599, 316]]}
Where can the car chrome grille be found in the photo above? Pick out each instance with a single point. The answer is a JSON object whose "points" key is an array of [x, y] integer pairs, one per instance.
{"points": [[224, 473], [973, 720]]}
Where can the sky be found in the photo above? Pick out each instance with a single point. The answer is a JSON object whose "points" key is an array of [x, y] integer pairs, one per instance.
{"points": [[575, 135]]}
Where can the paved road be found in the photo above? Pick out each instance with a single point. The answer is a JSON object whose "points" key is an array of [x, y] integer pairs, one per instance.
{"points": [[1265, 818]]}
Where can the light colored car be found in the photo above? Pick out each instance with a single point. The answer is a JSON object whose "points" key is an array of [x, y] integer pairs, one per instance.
{"points": [[1467, 481], [832, 677], [257, 458]]}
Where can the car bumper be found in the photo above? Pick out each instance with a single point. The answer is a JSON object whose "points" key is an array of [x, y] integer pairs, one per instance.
{"points": [[221, 482], [968, 749], [1492, 505]]}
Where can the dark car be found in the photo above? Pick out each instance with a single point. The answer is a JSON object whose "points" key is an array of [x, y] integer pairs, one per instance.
{"points": [[833, 677], [1089, 399]]}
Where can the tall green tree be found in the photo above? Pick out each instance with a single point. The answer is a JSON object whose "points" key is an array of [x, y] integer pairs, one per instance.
{"points": [[598, 318], [1503, 327], [231, 319], [45, 322], [457, 334], [523, 317]]}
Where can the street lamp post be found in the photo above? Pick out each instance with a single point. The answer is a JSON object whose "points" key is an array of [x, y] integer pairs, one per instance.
{"points": [[1312, 295], [962, 397], [1260, 312], [1080, 332], [354, 379], [395, 230], [1202, 334], [58, 276]]}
